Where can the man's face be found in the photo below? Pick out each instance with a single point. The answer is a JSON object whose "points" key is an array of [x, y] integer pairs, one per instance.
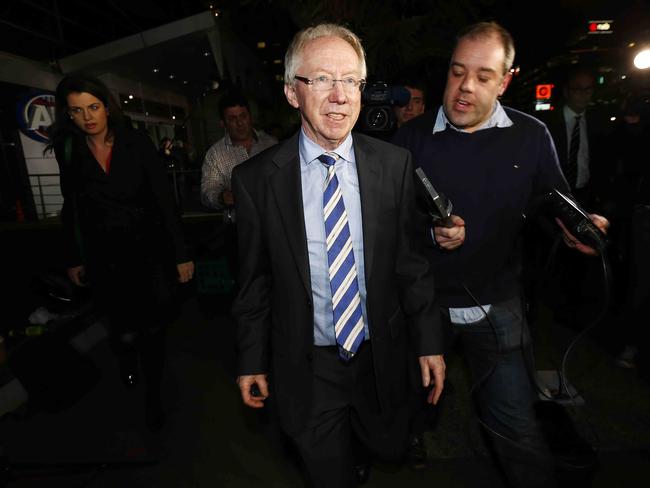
{"points": [[579, 91], [327, 116], [414, 108], [474, 81], [237, 122]]}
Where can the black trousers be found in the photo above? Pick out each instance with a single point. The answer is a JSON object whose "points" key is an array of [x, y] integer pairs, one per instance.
{"points": [[346, 424]]}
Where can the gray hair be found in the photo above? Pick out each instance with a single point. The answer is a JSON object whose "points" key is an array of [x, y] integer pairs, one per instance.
{"points": [[293, 57], [482, 30]]}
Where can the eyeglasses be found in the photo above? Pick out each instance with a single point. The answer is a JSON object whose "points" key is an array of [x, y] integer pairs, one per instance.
{"points": [[325, 83]]}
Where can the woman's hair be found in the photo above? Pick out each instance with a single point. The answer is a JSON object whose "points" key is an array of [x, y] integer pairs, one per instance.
{"points": [[80, 83]]}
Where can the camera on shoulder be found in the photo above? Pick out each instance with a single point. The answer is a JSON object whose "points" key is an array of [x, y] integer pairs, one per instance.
{"points": [[377, 117]]}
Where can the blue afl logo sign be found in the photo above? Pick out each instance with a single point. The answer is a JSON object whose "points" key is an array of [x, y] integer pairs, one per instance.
{"points": [[35, 114]]}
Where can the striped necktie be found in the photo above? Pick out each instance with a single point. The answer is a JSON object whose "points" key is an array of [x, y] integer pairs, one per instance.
{"points": [[346, 300], [571, 169]]}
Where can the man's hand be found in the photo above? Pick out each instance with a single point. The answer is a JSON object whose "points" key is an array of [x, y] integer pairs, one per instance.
{"points": [[598, 220], [435, 365], [227, 198], [450, 238], [76, 274], [185, 271], [245, 383]]}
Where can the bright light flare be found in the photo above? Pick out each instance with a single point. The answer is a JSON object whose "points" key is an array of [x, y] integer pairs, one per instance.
{"points": [[642, 59]]}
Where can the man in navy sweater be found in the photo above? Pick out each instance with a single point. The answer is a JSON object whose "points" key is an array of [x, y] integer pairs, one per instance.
{"points": [[493, 163]]}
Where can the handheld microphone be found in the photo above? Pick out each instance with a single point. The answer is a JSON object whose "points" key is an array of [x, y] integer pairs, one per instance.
{"points": [[438, 205], [576, 220]]}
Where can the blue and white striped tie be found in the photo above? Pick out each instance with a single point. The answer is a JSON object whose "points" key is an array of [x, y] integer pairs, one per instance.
{"points": [[346, 300]]}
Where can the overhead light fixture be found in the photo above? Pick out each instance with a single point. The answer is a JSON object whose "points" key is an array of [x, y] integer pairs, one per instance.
{"points": [[171, 77], [130, 97], [155, 70], [206, 53], [642, 58]]}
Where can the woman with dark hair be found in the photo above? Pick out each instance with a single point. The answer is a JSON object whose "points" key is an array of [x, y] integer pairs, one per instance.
{"points": [[122, 226]]}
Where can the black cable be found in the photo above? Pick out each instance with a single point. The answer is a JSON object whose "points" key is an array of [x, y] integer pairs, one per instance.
{"points": [[485, 377], [496, 339], [563, 384], [545, 272], [563, 393]]}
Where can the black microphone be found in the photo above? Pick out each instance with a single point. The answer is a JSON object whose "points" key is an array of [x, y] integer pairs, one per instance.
{"points": [[437, 204], [575, 219]]}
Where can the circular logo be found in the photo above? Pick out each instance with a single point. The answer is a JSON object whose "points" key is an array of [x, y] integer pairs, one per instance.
{"points": [[35, 114]]}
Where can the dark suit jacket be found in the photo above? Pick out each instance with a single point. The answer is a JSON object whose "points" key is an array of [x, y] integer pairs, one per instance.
{"points": [[596, 138], [274, 304]]}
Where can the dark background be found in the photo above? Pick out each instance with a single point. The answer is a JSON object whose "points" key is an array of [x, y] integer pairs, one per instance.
{"points": [[400, 37]]}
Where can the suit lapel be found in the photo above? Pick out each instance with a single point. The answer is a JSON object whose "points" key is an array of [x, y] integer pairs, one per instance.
{"points": [[287, 189], [370, 175]]}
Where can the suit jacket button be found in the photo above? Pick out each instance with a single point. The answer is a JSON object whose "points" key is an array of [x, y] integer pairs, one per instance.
{"points": [[309, 304], [309, 357]]}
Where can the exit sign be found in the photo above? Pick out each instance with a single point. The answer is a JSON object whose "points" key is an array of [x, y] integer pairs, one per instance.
{"points": [[600, 27]]}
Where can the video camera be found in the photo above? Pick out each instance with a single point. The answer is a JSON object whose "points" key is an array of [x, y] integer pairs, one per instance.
{"points": [[378, 99]]}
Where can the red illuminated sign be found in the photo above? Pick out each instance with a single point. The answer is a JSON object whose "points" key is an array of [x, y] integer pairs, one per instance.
{"points": [[543, 92]]}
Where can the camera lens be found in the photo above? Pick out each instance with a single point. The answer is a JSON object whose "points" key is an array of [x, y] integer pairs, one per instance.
{"points": [[378, 118]]}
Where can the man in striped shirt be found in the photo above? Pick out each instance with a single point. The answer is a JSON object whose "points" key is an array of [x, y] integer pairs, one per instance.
{"points": [[240, 142]]}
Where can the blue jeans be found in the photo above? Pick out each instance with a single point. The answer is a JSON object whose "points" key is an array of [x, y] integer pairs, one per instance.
{"points": [[504, 394]]}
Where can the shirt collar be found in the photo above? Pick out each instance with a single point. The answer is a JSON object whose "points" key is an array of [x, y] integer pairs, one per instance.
{"points": [[309, 150], [228, 142], [499, 118], [569, 114]]}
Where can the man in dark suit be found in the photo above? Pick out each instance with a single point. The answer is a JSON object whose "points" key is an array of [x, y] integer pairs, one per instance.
{"points": [[576, 132], [331, 280]]}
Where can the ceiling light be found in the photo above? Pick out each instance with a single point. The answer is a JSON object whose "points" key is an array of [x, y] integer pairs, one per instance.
{"points": [[642, 59]]}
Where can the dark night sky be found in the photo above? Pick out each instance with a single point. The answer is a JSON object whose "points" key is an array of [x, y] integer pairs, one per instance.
{"points": [[538, 35], [554, 27]]}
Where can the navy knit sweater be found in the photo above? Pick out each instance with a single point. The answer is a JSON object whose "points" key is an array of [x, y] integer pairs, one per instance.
{"points": [[494, 179]]}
